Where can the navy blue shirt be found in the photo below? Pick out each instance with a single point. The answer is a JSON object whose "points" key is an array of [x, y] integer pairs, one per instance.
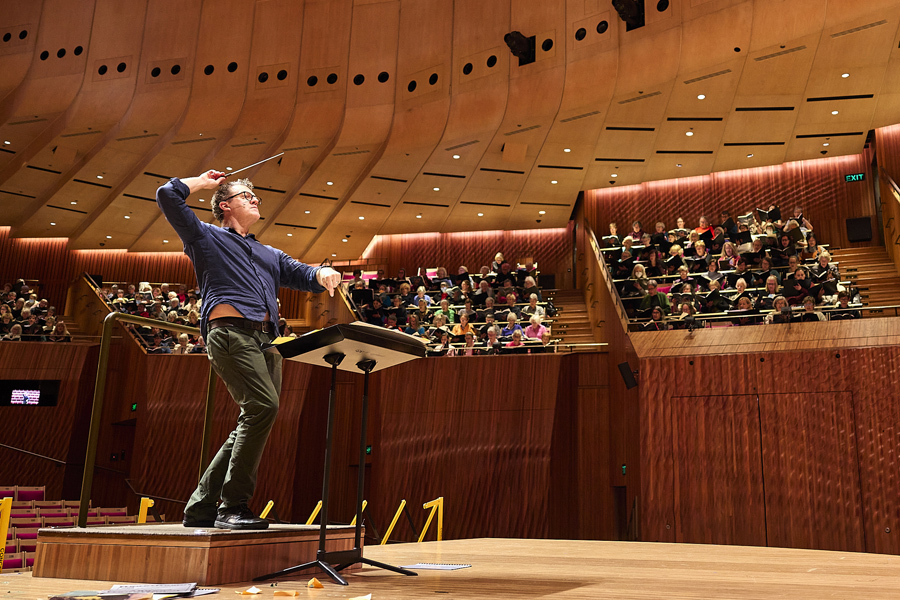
{"points": [[232, 269]]}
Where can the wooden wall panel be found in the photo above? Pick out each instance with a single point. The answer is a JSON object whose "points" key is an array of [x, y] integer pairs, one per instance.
{"points": [[829, 444], [816, 185], [887, 144], [717, 472], [55, 432], [811, 471], [550, 248]]}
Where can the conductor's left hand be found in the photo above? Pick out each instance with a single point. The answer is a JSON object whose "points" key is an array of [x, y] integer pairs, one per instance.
{"points": [[329, 279]]}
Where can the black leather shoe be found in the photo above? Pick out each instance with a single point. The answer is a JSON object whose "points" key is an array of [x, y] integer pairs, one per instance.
{"points": [[198, 523], [240, 518]]}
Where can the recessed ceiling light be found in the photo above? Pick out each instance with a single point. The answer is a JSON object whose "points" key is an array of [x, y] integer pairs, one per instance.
{"points": [[99, 176], [678, 165], [689, 133], [109, 237], [7, 142], [127, 217], [228, 168], [480, 214], [290, 235], [844, 75], [614, 175], [73, 202], [749, 156], [825, 144], [436, 189], [542, 212], [334, 255], [362, 218], [456, 156], [834, 112], [52, 223], [701, 97], [345, 240], [201, 200], [418, 216], [567, 149], [306, 212], [553, 181], [165, 241], [329, 183]]}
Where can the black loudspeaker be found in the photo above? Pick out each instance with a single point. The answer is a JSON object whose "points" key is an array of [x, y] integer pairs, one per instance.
{"points": [[627, 375], [859, 230]]}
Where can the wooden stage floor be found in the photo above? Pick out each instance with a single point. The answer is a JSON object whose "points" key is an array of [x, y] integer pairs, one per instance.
{"points": [[564, 569]]}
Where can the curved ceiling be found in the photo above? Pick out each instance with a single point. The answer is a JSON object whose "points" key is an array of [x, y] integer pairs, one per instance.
{"points": [[413, 115]]}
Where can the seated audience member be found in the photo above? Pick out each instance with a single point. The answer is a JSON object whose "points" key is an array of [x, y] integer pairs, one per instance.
{"points": [[489, 323], [445, 310], [469, 348], [406, 294], [809, 310], [505, 272], [31, 329], [390, 322], [6, 323], [516, 339], [802, 221], [401, 276], [823, 270], [776, 315], [510, 306], [766, 270], [782, 253], [749, 316], [701, 259], [545, 342], [681, 231], [60, 333], [692, 238], [704, 226], [397, 309], [796, 288], [17, 308], [728, 258], [467, 309], [463, 326], [654, 265], [488, 309], [199, 346], [683, 278], [512, 325], [683, 321], [535, 330], [465, 289], [157, 347], [531, 288], [613, 239], [637, 230], [675, 260], [711, 274], [741, 271], [812, 250], [438, 326], [657, 322], [374, 314], [421, 295], [842, 308], [654, 298], [442, 346], [637, 283], [533, 308], [766, 298], [741, 291], [422, 313], [483, 293], [503, 292], [47, 329], [14, 335], [498, 260], [183, 346], [492, 341], [413, 327]]}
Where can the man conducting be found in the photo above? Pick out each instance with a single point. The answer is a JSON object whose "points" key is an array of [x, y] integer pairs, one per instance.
{"points": [[239, 278]]}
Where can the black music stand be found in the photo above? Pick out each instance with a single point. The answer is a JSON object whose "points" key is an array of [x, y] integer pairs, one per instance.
{"points": [[374, 348]]}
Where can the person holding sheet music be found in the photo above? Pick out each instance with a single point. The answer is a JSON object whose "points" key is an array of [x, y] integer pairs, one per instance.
{"points": [[512, 325], [812, 249], [740, 272], [744, 313], [728, 257], [765, 271], [484, 292], [448, 313], [766, 298], [637, 230], [842, 308], [657, 320], [535, 329], [510, 306], [421, 295], [704, 226], [413, 327], [797, 287], [801, 220], [654, 298], [683, 278], [711, 274], [637, 283], [778, 304], [530, 287], [701, 258], [533, 308], [463, 326], [809, 310], [675, 260]]}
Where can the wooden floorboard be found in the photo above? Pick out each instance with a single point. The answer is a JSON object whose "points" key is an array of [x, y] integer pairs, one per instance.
{"points": [[503, 568]]}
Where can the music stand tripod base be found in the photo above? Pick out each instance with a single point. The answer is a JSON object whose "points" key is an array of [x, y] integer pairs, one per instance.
{"points": [[332, 345]]}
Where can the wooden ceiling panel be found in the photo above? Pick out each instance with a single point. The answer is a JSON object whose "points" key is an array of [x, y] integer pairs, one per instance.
{"points": [[717, 84], [716, 38], [20, 22], [151, 239], [809, 148], [779, 70], [672, 166], [745, 127], [647, 61], [776, 22], [730, 158], [51, 221], [704, 136], [887, 110]]}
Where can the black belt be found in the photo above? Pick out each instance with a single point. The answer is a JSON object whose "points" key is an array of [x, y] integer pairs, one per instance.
{"points": [[264, 326]]}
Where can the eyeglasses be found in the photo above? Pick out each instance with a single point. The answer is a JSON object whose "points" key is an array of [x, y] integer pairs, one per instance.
{"points": [[246, 196]]}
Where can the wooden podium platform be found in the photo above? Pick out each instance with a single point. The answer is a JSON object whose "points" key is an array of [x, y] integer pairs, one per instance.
{"points": [[172, 553]]}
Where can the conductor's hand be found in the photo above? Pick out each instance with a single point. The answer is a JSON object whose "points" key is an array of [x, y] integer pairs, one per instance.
{"points": [[209, 180], [329, 279], [212, 179]]}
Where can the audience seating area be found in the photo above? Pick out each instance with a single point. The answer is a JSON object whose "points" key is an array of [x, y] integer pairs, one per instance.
{"points": [[26, 317], [31, 511], [742, 272], [500, 310]]}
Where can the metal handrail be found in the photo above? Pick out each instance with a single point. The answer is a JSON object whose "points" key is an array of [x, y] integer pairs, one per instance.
{"points": [[97, 404]]}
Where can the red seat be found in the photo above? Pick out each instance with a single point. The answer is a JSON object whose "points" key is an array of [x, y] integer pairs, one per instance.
{"points": [[29, 493]]}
